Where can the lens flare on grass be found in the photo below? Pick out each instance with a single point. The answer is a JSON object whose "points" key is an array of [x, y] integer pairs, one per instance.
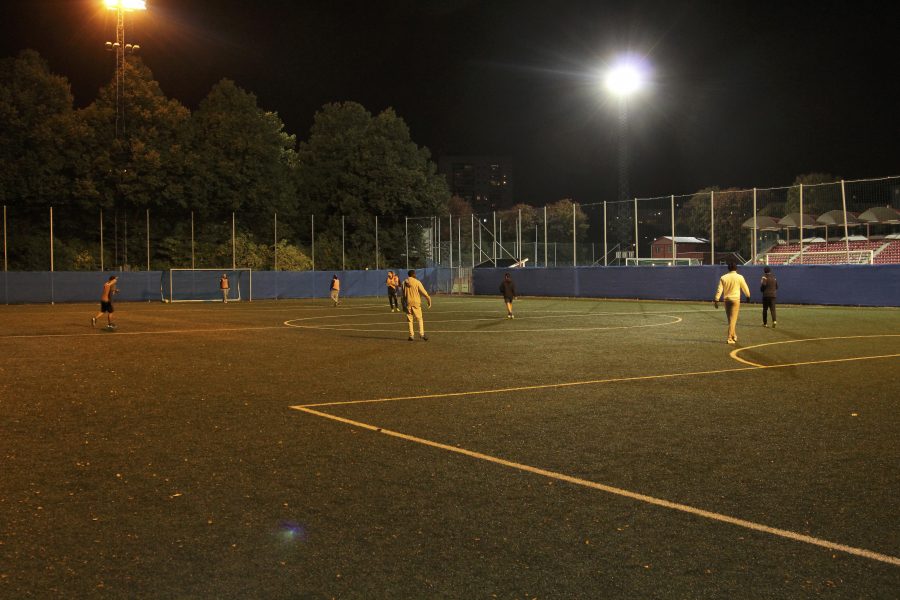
{"points": [[291, 532]]}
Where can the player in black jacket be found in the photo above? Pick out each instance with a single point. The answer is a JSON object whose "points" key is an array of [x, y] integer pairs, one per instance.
{"points": [[508, 289]]}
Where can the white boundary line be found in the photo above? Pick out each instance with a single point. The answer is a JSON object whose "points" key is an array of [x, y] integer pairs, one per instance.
{"points": [[791, 535], [736, 351], [715, 516]]}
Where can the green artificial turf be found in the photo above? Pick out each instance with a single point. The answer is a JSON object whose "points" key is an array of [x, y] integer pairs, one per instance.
{"points": [[166, 459]]}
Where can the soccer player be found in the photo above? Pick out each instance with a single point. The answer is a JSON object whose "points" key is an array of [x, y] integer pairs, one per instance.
{"points": [[106, 305], [769, 288], [731, 286], [335, 290], [223, 285], [392, 282], [508, 289], [413, 290]]}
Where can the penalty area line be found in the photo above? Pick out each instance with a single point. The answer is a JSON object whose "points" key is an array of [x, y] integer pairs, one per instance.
{"points": [[684, 508]]}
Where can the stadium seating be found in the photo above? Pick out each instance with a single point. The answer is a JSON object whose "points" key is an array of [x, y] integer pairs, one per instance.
{"points": [[885, 251]]}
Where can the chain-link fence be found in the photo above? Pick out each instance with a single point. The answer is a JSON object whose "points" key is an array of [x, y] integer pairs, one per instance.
{"points": [[706, 227]]}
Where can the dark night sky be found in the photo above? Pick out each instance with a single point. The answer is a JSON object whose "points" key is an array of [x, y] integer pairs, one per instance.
{"points": [[743, 93]]}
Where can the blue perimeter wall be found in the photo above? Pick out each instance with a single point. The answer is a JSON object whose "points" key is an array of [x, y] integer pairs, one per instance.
{"points": [[854, 285], [145, 286]]}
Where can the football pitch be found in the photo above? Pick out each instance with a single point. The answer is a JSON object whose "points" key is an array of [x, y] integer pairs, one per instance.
{"points": [[585, 449]]}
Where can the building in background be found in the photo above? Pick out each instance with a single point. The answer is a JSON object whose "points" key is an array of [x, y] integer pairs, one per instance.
{"points": [[486, 182]]}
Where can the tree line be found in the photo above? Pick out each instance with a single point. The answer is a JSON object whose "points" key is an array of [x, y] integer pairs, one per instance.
{"points": [[145, 156]]}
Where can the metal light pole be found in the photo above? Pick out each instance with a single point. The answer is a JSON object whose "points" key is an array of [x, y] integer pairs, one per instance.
{"points": [[121, 48]]}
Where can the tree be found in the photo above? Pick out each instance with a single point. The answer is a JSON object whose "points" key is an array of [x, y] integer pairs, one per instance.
{"points": [[142, 162], [818, 197], [730, 213], [559, 222], [35, 118], [242, 159], [41, 161], [361, 166]]}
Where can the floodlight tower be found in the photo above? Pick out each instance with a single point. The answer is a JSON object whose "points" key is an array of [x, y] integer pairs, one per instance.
{"points": [[623, 80], [121, 49]]}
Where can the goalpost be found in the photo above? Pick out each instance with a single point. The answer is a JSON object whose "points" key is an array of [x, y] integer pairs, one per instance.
{"points": [[668, 262], [202, 285]]}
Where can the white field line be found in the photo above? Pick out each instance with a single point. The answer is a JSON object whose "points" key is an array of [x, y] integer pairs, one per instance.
{"points": [[699, 512]]}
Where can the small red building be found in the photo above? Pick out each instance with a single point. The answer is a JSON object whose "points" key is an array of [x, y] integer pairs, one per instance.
{"points": [[685, 247]]}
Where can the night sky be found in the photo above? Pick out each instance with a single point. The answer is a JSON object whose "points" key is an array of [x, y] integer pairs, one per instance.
{"points": [[743, 93]]}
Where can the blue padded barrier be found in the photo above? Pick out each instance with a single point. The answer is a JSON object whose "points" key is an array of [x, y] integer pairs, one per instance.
{"points": [[17, 287], [853, 285]]}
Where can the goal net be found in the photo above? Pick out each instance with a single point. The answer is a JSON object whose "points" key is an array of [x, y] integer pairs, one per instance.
{"points": [[668, 262], [202, 285], [840, 257]]}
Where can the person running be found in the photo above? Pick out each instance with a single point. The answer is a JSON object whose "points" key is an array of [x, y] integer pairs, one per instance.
{"points": [[223, 285], [106, 305], [392, 291], [508, 289], [413, 290], [335, 290], [769, 288], [731, 286]]}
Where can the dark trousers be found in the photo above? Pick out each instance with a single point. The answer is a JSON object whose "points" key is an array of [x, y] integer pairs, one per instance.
{"points": [[392, 297], [768, 304]]}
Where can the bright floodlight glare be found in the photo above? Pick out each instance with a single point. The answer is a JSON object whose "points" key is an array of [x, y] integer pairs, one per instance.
{"points": [[125, 4], [624, 79]]}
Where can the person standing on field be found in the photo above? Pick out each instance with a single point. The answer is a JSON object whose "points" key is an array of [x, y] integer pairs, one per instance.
{"points": [[769, 288], [224, 286], [335, 290], [106, 305], [392, 291], [413, 290], [508, 289], [731, 286]]}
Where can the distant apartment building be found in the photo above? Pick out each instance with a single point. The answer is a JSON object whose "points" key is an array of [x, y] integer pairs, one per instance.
{"points": [[485, 181]]}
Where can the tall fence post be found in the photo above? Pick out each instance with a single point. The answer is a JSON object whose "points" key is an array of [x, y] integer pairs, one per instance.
{"points": [[519, 251], [376, 242], [275, 247], [4, 240], [846, 227], [51, 239], [801, 224], [343, 246], [574, 229], [233, 243], [546, 250], [636, 233], [472, 227], [674, 245], [51, 257], [312, 240], [406, 229], [450, 240], [193, 260], [755, 230], [605, 251], [101, 239], [494, 239], [712, 227], [148, 239]]}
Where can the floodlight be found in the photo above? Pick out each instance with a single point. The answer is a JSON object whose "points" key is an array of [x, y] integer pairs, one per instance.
{"points": [[624, 79], [125, 4]]}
